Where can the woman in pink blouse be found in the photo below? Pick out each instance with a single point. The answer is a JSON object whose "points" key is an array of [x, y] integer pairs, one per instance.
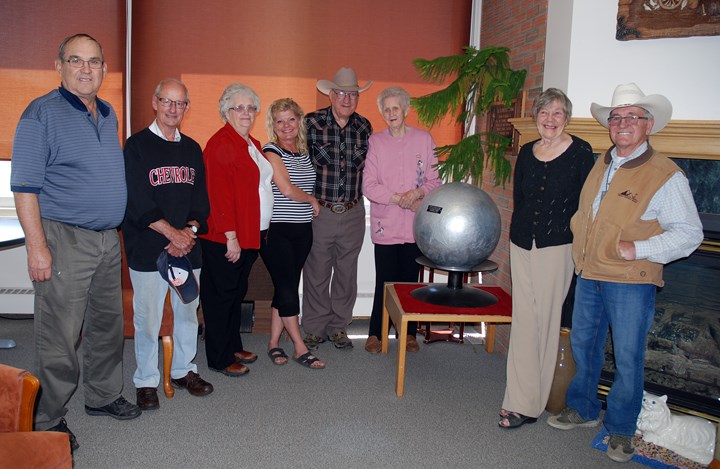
{"points": [[399, 171]]}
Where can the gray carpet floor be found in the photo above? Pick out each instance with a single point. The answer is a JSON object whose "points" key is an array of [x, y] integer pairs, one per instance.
{"points": [[346, 415]]}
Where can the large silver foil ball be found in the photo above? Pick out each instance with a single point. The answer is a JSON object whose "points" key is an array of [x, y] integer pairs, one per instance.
{"points": [[457, 226]]}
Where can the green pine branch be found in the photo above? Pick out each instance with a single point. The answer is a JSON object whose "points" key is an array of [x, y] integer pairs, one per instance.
{"points": [[478, 78]]}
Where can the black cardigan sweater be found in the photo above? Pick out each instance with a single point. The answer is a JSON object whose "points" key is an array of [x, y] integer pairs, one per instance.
{"points": [[546, 194]]}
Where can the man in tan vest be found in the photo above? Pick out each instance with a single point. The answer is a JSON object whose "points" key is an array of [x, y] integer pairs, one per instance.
{"points": [[636, 213]]}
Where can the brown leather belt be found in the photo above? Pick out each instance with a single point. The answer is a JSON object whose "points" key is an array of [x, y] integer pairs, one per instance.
{"points": [[338, 207]]}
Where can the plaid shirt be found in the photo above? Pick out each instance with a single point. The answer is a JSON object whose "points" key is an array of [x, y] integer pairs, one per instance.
{"points": [[338, 155]]}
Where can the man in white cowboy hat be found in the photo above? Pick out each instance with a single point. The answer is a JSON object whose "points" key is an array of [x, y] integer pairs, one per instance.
{"points": [[338, 143], [636, 213]]}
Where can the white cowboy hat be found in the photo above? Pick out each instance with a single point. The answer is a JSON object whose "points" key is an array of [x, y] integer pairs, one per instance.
{"points": [[631, 95], [345, 79]]}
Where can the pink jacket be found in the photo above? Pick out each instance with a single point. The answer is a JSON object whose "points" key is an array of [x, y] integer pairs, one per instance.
{"points": [[396, 165]]}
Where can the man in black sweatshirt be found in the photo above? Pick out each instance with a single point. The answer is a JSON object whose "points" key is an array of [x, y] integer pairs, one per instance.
{"points": [[167, 206]]}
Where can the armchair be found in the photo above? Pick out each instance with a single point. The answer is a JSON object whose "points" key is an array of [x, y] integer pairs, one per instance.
{"points": [[20, 447]]}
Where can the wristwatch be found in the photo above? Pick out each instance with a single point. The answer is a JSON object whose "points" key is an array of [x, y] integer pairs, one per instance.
{"points": [[192, 227]]}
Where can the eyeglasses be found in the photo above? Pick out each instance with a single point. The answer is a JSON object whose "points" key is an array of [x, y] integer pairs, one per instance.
{"points": [[240, 108], [630, 120], [350, 94], [77, 62], [169, 102]]}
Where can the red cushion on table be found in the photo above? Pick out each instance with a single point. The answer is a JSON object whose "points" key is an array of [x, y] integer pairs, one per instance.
{"points": [[410, 304]]}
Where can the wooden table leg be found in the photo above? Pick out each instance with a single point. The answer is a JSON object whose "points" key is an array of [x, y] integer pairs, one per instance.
{"points": [[385, 324], [167, 343], [489, 337], [402, 352]]}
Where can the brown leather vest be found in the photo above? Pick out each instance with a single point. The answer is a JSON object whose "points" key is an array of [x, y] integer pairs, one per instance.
{"points": [[595, 250]]}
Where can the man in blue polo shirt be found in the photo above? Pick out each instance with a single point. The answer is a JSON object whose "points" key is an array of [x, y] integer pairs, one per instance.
{"points": [[68, 179]]}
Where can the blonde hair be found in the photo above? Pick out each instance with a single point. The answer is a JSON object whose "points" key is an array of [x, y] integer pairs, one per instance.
{"points": [[282, 105]]}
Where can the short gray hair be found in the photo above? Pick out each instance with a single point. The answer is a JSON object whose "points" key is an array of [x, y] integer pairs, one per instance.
{"points": [[394, 92], [548, 97], [69, 39], [165, 81], [230, 92]]}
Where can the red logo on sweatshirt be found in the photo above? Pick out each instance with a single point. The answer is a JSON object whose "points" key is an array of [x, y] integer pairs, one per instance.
{"points": [[172, 175]]}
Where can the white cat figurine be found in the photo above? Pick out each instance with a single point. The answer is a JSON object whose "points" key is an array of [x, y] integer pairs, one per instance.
{"points": [[688, 436]]}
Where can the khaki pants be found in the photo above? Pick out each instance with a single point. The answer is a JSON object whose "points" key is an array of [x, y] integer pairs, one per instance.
{"points": [[83, 295], [330, 272], [540, 281]]}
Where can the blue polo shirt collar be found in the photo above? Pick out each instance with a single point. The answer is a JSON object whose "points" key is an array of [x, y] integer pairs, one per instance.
{"points": [[80, 106]]}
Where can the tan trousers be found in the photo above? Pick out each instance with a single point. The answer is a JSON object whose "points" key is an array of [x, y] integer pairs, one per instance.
{"points": [[330, 271], [540, 281]]}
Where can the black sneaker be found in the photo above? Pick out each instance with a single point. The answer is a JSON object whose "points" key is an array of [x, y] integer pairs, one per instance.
{"points": [[62, 427], [119, 409]]}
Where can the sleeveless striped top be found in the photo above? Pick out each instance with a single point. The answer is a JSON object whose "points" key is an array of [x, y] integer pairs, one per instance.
{"points": [[302, 175]]}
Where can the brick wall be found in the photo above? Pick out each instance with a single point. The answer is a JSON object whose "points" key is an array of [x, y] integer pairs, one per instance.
{"points": [[519, 25]]}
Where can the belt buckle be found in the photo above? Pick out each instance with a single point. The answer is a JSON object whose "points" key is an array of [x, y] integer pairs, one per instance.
{"points": [[338, 208]]}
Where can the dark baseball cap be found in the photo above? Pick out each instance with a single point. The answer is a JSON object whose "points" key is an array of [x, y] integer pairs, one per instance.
{"points": [[178, 272]]}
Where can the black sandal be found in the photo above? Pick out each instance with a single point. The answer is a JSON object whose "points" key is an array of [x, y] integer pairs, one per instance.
{"points": [[516, 420], [307, 360], [276, 354]]}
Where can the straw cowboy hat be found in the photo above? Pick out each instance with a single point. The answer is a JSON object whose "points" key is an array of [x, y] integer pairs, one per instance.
{"points": [[630, 95], [345, 79]]}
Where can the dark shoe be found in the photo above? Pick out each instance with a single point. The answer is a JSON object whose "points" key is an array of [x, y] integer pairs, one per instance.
{"points": [[373, 345], [234, 370], [341, 340], [620, 448], [119, 409], [62, 427], [568, 419], [412, 345], [194, 384], [312, 341], [309, 360], [278, 356], [245, 357], [515, 420], [147, 398]]}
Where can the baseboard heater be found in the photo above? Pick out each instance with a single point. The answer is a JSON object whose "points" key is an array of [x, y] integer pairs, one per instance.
{"points": [[16, 291]]}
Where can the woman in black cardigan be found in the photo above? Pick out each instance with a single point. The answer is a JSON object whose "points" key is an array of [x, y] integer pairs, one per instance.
{"points": [[549, 174]]}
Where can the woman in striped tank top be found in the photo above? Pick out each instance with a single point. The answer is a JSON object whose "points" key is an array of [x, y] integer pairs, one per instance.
{"points": [[289, 238]]}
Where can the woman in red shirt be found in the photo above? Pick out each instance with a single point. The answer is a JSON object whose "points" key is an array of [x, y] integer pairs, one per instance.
{"points": [[241, 201]]}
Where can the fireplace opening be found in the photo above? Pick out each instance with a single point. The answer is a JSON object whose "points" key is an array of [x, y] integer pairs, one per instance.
{"points": [[682, 358]]}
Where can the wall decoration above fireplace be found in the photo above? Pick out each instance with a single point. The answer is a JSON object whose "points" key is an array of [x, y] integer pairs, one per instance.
{"points": [[650, 19]]}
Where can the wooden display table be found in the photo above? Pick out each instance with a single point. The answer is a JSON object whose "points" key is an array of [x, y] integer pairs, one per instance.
{"points": [[402, 308]]}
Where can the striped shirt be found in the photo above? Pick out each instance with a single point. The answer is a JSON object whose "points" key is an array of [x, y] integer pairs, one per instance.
{"points": [[302, 175], [72, 161]]}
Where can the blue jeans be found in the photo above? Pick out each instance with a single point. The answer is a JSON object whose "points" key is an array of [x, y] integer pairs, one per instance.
{"points": [[628, 310], [149, 291]]}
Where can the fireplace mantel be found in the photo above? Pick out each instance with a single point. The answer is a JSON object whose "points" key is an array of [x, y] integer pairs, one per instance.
{"points": [[679, 139]]}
